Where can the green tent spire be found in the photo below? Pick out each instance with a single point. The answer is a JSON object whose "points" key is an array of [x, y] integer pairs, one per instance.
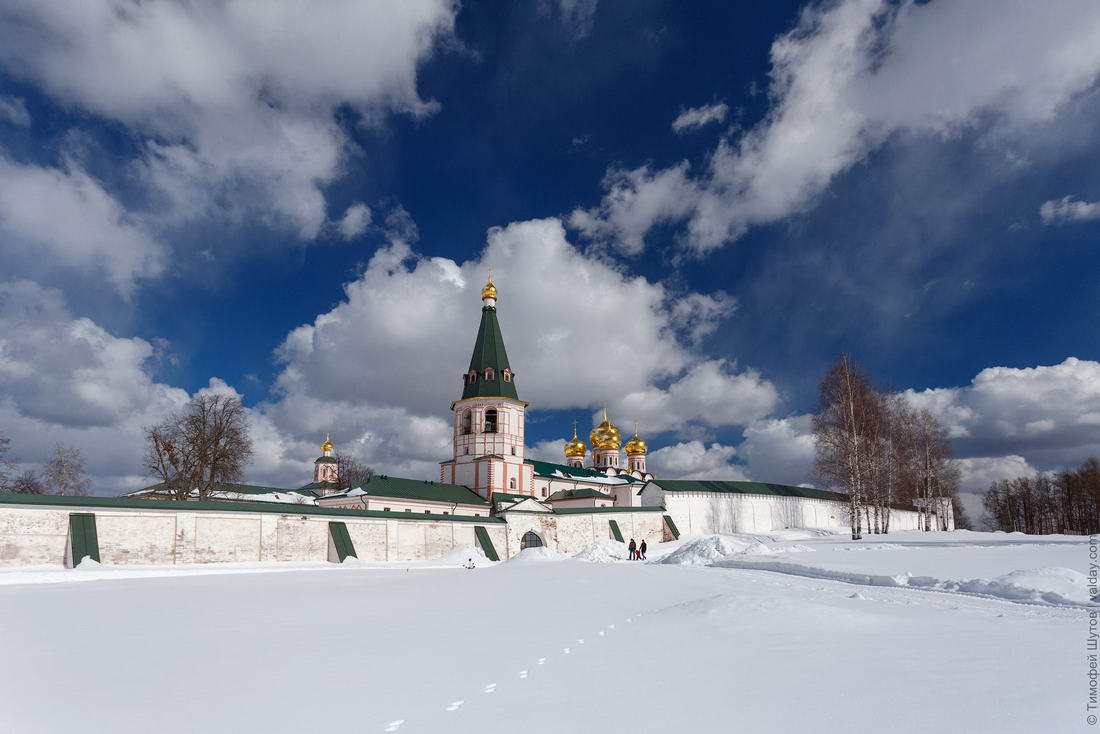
{"points": [[489, 352]]}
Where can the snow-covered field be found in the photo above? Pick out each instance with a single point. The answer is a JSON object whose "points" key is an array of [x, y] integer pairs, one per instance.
{"points": [[798, 632]]}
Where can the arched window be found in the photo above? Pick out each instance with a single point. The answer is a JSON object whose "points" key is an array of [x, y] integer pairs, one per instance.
{"points": [[507, 375], [512, 483], [491, 420], [473, 377], [530, 540], [490, 373], [467, 421]]}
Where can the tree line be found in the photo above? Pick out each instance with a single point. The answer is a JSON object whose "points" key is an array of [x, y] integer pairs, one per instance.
{"points": [[1048, 502], [61, 473], [876, 448]]}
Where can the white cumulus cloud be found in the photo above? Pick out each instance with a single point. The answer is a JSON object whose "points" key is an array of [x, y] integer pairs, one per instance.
{"points": [[850, 76], [694, 118], [1043, 414], [234, 104], [67, 218], [355, 221], [1068, 209], [695, 460]]}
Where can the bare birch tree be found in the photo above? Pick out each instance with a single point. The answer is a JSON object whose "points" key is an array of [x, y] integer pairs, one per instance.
{"points": [[64, 472], [204, 445], [842, 429], [936, 474]]}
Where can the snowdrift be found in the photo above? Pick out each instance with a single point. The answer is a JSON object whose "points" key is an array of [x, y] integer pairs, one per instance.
{"points": [[542, 554], [460, 556], [709, 549], [604, 551], [1057, 586]]}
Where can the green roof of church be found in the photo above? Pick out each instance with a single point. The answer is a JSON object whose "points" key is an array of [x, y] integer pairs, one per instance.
{"points": [[578, 494], [218, 487], [489, 352], [419, 489], [548, 469]]}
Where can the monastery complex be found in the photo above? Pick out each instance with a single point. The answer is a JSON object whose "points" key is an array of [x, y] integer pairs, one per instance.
{"points": [[488, 495]]}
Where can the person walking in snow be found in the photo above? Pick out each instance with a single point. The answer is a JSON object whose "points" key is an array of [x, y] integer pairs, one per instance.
{"points": [[633, 550], [641, 551]]}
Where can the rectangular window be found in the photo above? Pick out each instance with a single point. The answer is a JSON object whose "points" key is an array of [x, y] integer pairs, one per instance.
{"points": [[385, 509], [407, 510]]}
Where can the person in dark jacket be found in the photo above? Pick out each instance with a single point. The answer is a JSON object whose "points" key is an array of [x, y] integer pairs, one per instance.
{"points": [[641, 551], [633, 550]]}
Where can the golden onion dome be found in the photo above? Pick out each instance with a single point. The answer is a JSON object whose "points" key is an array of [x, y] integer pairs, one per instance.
{"points": [[490, 290], [636, 446], [606, 435], [575, 447], [327, 445]]}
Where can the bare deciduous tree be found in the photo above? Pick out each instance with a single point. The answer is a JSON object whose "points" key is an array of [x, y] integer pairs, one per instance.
{"points": [[1063, 502], [842, 429], [936, 474], [874, 446], [6, 464], [64, 471], [27, 483], [350, 472], [200, 447]]}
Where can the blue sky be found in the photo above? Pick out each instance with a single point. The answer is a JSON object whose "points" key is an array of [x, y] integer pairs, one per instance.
{"points": [[690, 209]]}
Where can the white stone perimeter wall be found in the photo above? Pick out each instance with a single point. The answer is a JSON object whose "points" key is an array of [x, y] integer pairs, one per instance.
{"points": [[702, 513], [571, 533], [31, 535]]}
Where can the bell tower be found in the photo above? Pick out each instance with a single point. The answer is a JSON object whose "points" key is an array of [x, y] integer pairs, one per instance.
{"points": [[489, 417]]}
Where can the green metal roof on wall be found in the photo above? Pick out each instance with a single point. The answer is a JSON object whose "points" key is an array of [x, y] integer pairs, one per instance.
{"points": [[489, 352], [417, 489], [274, 508], [737, 487]]}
